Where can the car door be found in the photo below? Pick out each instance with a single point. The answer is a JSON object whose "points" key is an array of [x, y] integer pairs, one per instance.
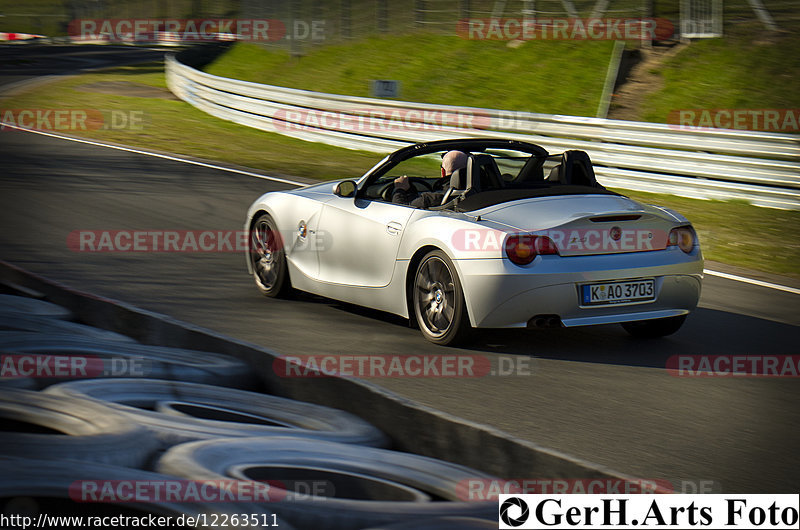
{"points": [[300, 234], [364, 238]]}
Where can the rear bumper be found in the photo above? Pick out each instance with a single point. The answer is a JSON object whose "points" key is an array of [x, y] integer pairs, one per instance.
{"points": [[500, 294]]}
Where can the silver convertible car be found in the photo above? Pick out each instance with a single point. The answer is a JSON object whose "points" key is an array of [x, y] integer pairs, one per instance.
{"points": [[517, 238]]}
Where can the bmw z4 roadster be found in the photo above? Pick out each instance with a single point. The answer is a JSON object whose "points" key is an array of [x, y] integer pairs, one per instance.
{"points": [[510, 237]]}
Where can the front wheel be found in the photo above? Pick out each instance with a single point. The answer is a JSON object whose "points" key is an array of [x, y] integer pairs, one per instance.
{"points": [[268, 258], [658, 327], [438, 300]]}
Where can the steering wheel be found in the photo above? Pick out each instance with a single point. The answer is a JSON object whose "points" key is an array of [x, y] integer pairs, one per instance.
{"points": [[417, 182]]}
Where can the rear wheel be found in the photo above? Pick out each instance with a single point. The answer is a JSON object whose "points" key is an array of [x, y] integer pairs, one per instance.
{"points": [[438, 300], [268, 258], [659, 327]]}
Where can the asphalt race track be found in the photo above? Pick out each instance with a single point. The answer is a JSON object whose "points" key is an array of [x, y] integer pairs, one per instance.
{"points": [[21, 62], [594, 392]]}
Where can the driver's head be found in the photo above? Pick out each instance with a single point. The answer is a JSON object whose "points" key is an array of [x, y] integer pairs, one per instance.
{"points": [[452, 161]]}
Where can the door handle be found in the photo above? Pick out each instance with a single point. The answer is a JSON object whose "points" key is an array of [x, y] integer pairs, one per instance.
{"points": [[394, 228]]}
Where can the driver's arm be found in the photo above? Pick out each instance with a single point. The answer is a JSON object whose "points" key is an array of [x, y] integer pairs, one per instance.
{"points": [[427, 199], [403, 192]]}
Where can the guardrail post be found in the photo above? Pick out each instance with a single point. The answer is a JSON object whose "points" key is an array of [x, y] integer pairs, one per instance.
{"points": [[464, 9], [345, 30], [382, 15], [419, 13], [529, 10], [294, 43]]}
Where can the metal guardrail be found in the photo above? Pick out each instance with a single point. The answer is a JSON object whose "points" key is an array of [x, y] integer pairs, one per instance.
{"points": [[760, 167]]}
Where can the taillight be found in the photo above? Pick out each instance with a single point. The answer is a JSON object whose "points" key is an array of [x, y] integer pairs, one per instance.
{"points": [[682, 237], [522, 249]]}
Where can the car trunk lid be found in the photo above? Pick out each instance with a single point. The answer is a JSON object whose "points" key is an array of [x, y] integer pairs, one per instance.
{"points": [[584, 225]]}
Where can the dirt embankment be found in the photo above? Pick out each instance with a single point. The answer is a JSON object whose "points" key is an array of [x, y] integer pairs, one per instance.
{"points": [[641, 80]]}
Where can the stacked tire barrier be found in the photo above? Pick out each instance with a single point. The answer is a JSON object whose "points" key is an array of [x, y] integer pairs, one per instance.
{"points": [[51, 441], [177, 412], [30, 486], [123, 429], [207, 409]]}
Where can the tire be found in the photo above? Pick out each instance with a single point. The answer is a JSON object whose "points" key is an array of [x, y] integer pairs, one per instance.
{"points": [[268, 258], [50, 427], [270, 458], [651, 329], [438, 300], [122, 359], [48, 325], [11, 304], [179, 412], [29, 487]]}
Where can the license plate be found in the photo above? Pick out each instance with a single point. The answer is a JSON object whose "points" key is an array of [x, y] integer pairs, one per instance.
{"points": [[618, 292]]}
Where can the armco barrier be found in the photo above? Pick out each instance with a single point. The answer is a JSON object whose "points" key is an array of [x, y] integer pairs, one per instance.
{"points": [[412, 427], [760, 167]]}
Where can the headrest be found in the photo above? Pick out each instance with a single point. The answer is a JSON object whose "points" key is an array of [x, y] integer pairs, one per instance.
{"points": [[555, 173], [458, 179], [574, 169], [578, 169], [486, 160]]}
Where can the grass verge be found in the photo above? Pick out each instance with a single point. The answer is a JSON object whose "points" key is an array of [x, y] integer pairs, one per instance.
{"points": [[172, 125], [731, 231]]}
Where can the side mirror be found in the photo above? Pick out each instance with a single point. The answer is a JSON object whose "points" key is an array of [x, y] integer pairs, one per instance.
{"points": [[346, 188]]}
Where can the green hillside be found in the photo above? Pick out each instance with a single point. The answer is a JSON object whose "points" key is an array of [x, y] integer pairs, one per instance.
{"points": [[748, 69], [553, 77]]}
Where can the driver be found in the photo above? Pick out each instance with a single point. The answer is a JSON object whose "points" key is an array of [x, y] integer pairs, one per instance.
{"points": [[404, 193]]}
